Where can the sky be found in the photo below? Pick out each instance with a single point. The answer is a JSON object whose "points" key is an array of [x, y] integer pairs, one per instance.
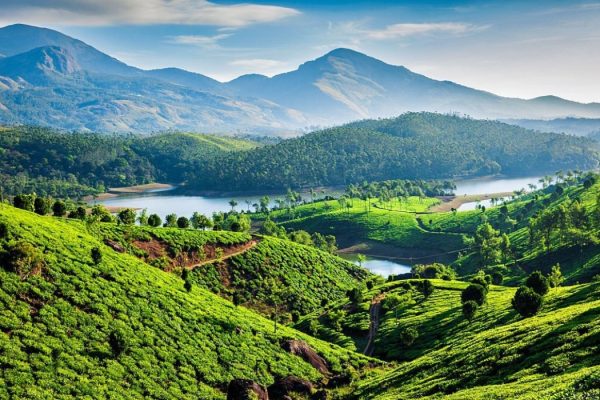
{"points": [[512, 48]]}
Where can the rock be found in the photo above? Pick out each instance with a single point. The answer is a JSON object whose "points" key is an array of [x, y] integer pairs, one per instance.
{"points": [[281, 389], [114, 245], [245, 389], [302, 349]]}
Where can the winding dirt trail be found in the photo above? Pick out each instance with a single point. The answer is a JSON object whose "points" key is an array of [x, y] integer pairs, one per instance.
{"points": [[374, 312], [228, 253]]}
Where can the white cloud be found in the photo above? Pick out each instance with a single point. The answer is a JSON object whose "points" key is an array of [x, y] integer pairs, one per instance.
{"points": [[396, 31], [207, 42], [139, 12], [260, 65]]}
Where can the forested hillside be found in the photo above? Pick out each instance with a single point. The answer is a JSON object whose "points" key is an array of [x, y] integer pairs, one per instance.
{"points": [[412, 146], [74, 164]]}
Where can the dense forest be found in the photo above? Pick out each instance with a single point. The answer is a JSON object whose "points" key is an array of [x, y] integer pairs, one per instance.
{"points": [[412, 146]]}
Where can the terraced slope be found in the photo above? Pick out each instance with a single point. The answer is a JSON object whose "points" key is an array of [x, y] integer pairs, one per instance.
{"points": [[71, 328]]}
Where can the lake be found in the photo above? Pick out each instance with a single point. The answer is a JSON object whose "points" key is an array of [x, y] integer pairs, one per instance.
{"points": [[166, 202], [493, 185], [380, 266]]}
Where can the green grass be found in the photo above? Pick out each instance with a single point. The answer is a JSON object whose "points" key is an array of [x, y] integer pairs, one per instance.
{"points": [[58, 329]]}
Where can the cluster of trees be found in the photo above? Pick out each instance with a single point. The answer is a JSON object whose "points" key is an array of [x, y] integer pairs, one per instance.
{"points": [[326, 243], [399, 188], [529, 298], [412, 146], [475, 295], [565, 224], [433, 271]]}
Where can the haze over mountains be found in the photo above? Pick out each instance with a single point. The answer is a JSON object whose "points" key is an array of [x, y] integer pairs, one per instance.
{"points": [[51, 79]]}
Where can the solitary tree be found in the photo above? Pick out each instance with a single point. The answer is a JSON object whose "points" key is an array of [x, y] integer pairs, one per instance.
{"points": [[474, 292], [41, 206], [171, 221], [469, 309], [233, 204]]}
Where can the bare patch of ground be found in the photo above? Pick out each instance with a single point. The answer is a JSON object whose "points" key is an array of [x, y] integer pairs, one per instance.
{"points": [[450, 202]]}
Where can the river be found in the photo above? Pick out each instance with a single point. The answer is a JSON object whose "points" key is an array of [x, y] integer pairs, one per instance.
{"points": [[166, 202]]}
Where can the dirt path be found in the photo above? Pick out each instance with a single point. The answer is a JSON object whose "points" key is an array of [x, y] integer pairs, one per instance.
{"points": [[374, 325], [450, 202], [227, 253]]}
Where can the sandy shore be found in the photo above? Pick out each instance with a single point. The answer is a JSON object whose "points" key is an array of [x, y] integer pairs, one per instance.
{"points": [[137, 189], [450, 202]]}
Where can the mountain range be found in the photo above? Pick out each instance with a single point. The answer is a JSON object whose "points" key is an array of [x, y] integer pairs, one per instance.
{"points": [[50, 79]]}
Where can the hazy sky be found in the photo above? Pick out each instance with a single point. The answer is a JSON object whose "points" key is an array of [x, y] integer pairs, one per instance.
{"points": [[512, 48]]}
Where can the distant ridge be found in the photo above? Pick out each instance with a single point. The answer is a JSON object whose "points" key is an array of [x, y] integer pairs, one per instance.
{"points": [[56, 89]]}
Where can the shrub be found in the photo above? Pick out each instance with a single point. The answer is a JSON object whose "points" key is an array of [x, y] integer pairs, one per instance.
{"points": [[78, 213], [497, 278], [474, 292], [481, 281], [154, 220], [59, 208], [96, 255], [527, 302], [183, 222], [555, 278], [126, 216], [433, 271], [469, 309], [355, 295], [538, 282], [24, 259], [41, 206], [427, 288], [24, 201], [408, 335]]}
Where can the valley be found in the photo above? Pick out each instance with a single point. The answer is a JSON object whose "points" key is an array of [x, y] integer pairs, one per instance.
{"points": [[306, 221]]}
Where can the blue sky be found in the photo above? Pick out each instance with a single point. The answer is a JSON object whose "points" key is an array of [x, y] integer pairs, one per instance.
{"points": [[512, 48]]}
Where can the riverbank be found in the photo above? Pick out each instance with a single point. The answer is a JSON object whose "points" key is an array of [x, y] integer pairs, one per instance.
{"points": [[450, 202], [136, 189]]}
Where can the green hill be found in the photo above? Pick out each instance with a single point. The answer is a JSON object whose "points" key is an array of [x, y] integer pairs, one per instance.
{"points": [[412, 146], [74, 164], [258, 272], [74, 328]]}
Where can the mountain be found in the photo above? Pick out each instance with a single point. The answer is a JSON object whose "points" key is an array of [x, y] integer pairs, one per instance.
{"points": [[345, 85], [85, 89], [20, 38]]}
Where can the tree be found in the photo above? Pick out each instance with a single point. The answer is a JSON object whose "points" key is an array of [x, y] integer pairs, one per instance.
{"points": [[24, 201], [233, 204], [41, 206], [183, 222], [171, 221], [59, 208], [538, 283], [264, 204], [527, 302], [200, 221], [473, 292], [154, 220], [361, 258], [301, 237], [272, 229], [126, 216], [489, 244], [555, 278], [469, 309], [143, 217], [102, 213], [408, 335], [96, 255], [78, 213]]}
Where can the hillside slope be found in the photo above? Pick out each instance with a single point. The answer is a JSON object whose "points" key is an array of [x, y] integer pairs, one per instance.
{"points": [[72, 328], [412, 146]]}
